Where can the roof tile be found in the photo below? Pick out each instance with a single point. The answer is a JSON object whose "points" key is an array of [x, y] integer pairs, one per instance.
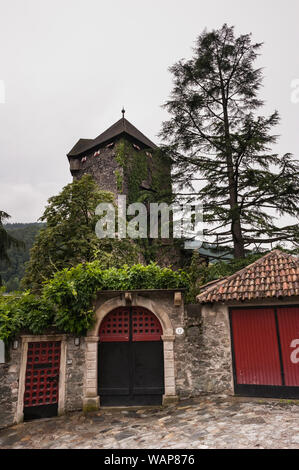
{"points": [[274, 275]]}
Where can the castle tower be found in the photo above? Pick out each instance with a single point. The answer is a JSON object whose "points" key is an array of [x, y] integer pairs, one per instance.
{"points": [[124, 161]]}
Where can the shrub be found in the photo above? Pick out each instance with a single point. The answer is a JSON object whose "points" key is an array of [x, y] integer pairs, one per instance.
{"points": [[66, 300]]}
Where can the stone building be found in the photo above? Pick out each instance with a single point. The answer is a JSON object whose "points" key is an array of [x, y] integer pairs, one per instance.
{"points": [[149, 347], [124, 161], [144, 349], [255, 318]]}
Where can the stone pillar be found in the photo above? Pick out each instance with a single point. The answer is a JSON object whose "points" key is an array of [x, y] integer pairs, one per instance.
{"points": [[169, 378], [91, 400]]}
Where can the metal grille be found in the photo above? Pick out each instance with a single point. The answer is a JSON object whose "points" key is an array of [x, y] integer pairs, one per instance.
{"points": [[115, 326], [145, 325], [42, 373], [135, 324]]}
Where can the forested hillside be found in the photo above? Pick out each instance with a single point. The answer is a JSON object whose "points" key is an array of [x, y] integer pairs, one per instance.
{"points": [[13, 273]]}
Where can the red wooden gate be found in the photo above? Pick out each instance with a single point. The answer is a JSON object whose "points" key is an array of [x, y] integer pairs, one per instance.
{"points": [[265, 346], [41, 380]]}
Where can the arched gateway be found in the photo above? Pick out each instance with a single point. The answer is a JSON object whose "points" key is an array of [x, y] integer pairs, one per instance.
{"points": [[130, 358], [127, 351]]}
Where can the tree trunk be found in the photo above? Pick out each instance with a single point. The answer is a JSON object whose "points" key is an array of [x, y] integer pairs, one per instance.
{"points": [[236, 228], [238, 241]]}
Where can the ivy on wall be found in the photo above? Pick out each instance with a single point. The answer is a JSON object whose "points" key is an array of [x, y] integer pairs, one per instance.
{"points": [[66, 300], [139, 166], [119, 180]]}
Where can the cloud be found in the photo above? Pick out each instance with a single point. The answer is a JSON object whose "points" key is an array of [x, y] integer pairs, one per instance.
{"points": [[2, 92], [25, 202]]}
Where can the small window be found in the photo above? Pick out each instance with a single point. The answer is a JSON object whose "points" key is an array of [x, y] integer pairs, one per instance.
{"points": [[2, 352]]}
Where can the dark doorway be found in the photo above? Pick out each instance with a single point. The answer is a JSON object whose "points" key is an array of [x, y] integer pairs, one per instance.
{"points": [[131, 365], [42, 380]]}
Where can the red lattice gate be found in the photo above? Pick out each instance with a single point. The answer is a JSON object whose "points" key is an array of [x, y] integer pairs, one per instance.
{"points": [[131, 370], [42, 379]]}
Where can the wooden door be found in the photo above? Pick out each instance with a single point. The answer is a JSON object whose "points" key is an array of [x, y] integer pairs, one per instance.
{"points": [[131, 365]]}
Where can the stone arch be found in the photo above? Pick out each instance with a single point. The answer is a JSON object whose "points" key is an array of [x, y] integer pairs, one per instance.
{"points": [[137, 301], [91, 398]]}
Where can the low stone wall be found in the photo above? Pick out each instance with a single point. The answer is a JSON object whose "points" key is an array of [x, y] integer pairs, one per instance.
{"points": [[203, 353], [10, 375], [9, 380], [215, 366], [75, 368], [202, 356]]}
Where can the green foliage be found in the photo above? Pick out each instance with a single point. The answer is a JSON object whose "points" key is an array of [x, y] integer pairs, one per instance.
{"points": [[7, 241], [120, 153], [24, 311], [13, 272], [200, 273], [222, 269], [119, 180], [136, 172], [69, 236], [152, 166], [215, 134], [66, 301], [195, 272]]}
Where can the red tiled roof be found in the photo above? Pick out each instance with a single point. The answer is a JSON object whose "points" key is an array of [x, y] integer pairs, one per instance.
{"points": [[274, 275]]}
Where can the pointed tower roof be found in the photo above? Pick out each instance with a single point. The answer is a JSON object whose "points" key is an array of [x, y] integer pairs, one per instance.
{"points": [[119, 128]]}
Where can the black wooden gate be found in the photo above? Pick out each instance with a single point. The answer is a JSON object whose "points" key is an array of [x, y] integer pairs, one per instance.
{"points": [[131, 366]]}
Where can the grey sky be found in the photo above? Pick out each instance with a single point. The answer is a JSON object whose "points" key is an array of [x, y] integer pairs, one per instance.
{"points": [[70, 65]]}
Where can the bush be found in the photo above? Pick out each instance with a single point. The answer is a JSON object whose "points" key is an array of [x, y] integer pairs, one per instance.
{"points": [[65, 302]]}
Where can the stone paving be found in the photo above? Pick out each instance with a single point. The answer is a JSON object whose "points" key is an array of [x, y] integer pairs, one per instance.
{"points": [[202, 423]]}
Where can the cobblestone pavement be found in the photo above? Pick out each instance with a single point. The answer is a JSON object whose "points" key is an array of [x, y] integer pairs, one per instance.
{"points": [[202, 423]]}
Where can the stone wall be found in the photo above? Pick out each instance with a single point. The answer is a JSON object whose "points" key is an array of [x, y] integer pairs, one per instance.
{"points": [[75, 367], [10, 374], [9, 379], [102, 168], [204, 357], [202, 354]]}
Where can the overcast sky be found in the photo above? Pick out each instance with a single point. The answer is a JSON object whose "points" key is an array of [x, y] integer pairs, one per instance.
{"points": [[68, 67]]}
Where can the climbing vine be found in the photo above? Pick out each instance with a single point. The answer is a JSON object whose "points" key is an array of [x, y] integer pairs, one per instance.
{"points": [[143, 165], [66, 300], [119, 180]]}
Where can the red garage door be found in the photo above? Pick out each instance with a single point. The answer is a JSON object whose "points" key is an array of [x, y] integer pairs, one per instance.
{"points": [[265, 345], [288, 321]]}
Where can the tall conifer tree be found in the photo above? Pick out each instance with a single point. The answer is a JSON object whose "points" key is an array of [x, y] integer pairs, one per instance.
{"points": [[216, 135]]}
